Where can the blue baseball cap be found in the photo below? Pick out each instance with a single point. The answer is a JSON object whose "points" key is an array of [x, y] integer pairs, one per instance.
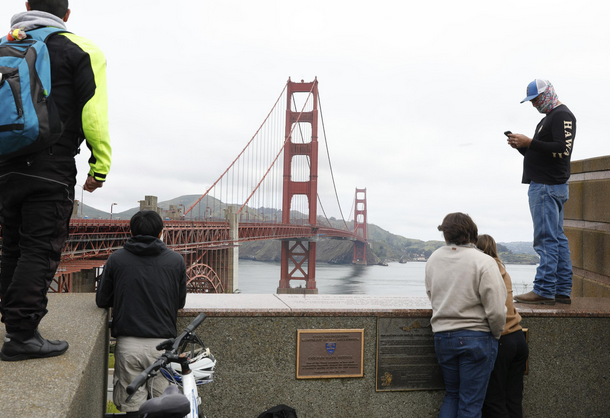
{"points": [[535, 88]]}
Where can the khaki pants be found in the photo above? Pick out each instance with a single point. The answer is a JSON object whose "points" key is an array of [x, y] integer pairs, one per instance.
{"points": [[132, 356]]}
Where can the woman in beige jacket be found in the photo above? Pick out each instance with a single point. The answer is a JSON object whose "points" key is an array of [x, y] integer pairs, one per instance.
{"points": [[505, 389]]}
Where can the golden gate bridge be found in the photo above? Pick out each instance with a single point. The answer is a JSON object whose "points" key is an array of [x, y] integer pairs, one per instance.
{"points": [[270, 191]]}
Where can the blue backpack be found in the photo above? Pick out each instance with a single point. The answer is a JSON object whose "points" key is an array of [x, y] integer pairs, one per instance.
{"points": [[29, 120]]}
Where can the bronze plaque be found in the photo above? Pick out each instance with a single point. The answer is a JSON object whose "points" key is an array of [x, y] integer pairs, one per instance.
{"points": [[330, 353], [406, 359]]}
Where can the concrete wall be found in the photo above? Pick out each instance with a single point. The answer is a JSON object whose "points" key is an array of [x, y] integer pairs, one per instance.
{"points": [[587, 226], [254, 341], [84, 281], [68, 386]]}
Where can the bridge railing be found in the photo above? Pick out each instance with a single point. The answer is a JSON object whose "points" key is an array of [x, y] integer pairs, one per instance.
{"points": [[91, 238]]}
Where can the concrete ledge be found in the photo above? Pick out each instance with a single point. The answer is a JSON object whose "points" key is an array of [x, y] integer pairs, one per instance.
{"points": [[254, 340], [71, 385], [591, 164], [305, 305]]}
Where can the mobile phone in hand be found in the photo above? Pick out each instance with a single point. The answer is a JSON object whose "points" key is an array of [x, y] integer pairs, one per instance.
{"points": [[507, 133]]}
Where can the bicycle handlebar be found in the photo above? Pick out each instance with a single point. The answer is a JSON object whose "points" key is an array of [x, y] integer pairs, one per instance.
{"points": [[143, 377], [165, 358], [196, 322]]}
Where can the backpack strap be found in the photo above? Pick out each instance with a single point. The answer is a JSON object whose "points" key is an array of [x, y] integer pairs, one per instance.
{"points": [[43, 33]]}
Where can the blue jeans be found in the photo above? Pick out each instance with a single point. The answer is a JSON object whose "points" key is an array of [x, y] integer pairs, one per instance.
{"points": [[466, 359], [554, 273]]}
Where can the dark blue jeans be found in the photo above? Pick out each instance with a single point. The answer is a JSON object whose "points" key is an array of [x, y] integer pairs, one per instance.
{"points": [[36, 202], [554, 273], [466, 359]]}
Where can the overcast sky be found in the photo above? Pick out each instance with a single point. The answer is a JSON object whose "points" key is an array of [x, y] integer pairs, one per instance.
{"points": [[415, 96]]}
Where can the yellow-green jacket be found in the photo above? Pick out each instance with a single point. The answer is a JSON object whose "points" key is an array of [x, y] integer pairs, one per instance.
{"points": [[78, 88]]}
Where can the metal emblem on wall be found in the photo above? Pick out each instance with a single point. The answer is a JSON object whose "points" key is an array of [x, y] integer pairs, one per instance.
{"points": [[330, 353], [406, 359]]}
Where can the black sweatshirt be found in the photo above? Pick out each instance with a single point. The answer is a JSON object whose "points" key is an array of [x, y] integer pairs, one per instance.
{"points": [[547, 160], [145, 284]]}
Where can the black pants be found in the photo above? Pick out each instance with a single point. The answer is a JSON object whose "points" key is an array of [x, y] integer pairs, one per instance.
{"points": [[505, 390], [36, 201]]}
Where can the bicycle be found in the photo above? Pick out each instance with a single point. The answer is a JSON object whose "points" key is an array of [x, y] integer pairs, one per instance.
{"points": [[185, 368]]}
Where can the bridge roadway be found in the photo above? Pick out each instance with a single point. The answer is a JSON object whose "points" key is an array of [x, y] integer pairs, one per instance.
{"points": [[99, 238], [91, 241]]}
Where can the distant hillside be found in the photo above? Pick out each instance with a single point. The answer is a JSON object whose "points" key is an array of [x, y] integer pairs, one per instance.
{"points": [[187, 201], [509, 256], [383, 245], [520, 247]]}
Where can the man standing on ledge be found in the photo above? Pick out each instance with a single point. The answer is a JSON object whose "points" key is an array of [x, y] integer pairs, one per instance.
{"points": [[546, 168], [37, 189]]}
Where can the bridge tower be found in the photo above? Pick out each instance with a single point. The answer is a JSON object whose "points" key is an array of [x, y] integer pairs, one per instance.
{"points": [[299, 257], [360, 226]]}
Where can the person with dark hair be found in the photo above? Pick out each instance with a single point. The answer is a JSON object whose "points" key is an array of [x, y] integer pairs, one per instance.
{"points": [[468, 297], [37, 189], [58, 8], [504, 396], [546, 168], [145, 285], [146, 222]]}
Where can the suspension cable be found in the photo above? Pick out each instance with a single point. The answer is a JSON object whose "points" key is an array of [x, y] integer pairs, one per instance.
{"points": [[332, 175], [240, 154], [279, 153]]}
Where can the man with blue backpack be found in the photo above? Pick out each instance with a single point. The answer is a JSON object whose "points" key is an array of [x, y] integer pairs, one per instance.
{"points": [[52, 96]]}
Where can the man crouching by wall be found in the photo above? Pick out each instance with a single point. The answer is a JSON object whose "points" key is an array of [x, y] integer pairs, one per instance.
{"points": [[145, 284]]}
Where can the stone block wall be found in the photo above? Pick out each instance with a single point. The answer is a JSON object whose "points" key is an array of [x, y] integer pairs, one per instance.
{"points": [[254, 339], [587, 226]]}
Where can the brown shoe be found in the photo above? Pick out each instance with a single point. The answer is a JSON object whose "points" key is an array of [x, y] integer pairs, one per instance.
{"points": [[531, 297], [563, 299]]}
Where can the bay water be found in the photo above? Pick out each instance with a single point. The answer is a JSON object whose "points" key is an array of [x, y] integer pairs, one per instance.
{"points": [[395, 279]]}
